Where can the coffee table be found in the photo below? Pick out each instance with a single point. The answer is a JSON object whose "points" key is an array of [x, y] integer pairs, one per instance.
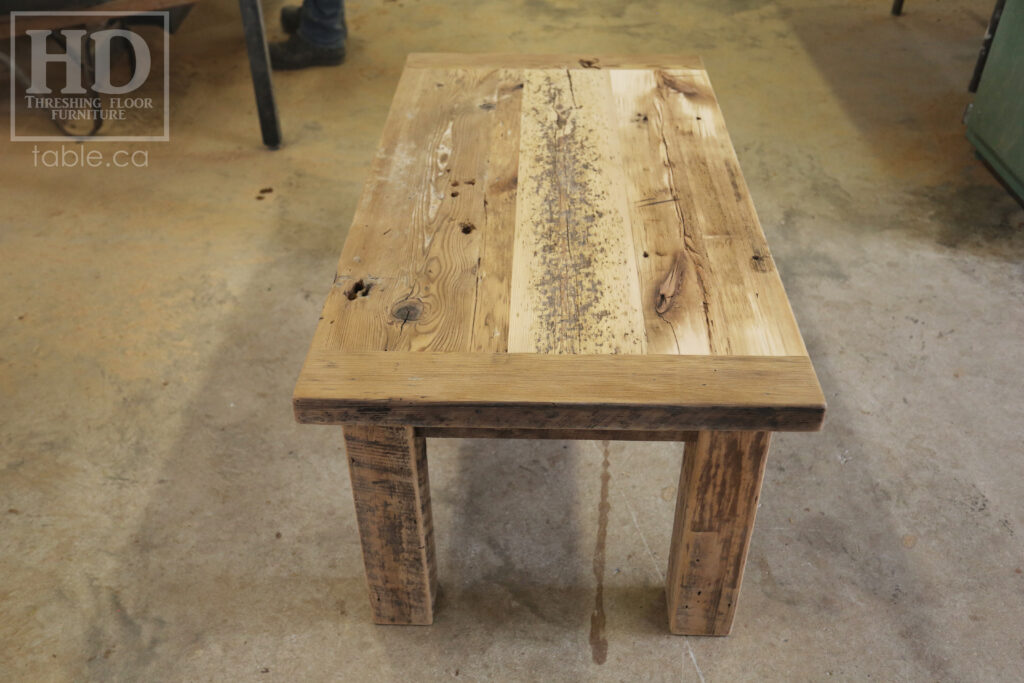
{"points": [[558, 246]]}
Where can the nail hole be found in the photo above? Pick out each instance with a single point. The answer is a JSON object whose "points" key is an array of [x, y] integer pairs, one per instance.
{"points": [[646, 254], [467, 228], [455, 194], [353, 292]]}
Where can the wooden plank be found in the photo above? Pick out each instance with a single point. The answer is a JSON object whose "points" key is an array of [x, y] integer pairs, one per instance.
{"points": [[421, 60], [719, 488], [575, 287], [669, 249], [494, 268], [566, 434], [709, 282], [408, 275], [388, 467], [661, 392]]}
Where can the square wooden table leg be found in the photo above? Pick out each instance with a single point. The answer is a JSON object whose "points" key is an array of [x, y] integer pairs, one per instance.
{"points": [[388, 467], [719, 488]]}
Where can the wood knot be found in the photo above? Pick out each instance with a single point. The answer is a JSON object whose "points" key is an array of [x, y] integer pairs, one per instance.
{"points": [[671, 285], [407, 311]]}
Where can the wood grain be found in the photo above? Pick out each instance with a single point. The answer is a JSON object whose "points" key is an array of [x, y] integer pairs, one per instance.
{"points": [[409, 277], [662, 392], [388, 467], [719, 488], [501, 182], [709, 281]]}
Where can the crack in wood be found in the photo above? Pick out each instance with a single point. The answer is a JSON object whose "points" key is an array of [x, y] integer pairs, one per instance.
{"points": [[688, 240]]}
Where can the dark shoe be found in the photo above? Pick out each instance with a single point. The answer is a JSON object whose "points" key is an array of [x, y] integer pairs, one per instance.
{"points": [[299, 53], [291, 17]]}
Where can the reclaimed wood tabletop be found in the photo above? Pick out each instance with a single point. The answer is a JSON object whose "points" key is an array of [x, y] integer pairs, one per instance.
{"points": [[568, 209], [558, 247]]}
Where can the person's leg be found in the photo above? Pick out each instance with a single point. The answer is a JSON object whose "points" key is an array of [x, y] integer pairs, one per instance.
{"points": [[323, 23], [291, 17], [318, 36]]}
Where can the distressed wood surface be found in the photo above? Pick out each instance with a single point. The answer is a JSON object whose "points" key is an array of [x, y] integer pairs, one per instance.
{"points": [[719, 487], [388, 467], [555, 205]]}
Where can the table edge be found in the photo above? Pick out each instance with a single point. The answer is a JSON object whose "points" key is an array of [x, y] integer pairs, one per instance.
{"points": [[516, 390], [471, 60]]}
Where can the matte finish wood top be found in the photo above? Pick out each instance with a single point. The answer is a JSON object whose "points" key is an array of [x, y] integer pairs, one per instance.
{"points": [[527, 207]]}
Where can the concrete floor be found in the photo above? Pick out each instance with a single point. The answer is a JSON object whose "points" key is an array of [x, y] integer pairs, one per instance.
{"points": [[163, 518]]}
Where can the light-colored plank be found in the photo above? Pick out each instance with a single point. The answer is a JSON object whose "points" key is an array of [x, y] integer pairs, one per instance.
{"points": [[668, 244], [388, 467], [709, 276], [719, 488], [575, 287], [662, 392], [408, 275], [494, 271]]}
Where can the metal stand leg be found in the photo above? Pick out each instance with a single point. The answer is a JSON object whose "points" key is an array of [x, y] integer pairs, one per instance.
{"points": [[259, 61], [897, 7], [986, 45]]}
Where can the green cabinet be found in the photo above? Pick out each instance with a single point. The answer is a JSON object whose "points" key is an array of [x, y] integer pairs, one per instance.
{"points": [[995, 121]]}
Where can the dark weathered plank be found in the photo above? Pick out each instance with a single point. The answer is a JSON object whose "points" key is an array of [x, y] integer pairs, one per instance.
{"points": [[388, 466], [718, 491]]}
